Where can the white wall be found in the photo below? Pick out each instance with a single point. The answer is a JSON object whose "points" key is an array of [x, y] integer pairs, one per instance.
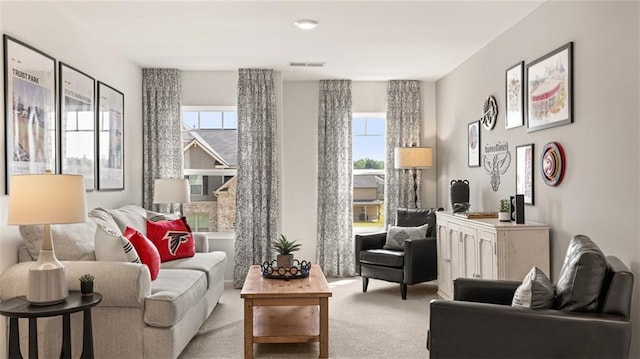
{"points": [[33, 24], [599, 194]]}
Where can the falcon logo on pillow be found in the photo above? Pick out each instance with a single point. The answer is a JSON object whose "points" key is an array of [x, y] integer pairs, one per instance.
{"points": [[172, 238], [175, 239]]}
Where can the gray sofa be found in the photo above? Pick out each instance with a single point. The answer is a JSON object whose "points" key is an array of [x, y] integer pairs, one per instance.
{"points": [[138, 317]]}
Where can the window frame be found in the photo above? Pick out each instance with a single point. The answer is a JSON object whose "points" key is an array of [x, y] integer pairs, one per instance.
{"points": [[212, 171], [221, 109], [365, 172]]}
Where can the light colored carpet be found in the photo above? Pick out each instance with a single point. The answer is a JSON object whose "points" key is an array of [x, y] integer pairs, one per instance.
{"points": [[376, 324]]}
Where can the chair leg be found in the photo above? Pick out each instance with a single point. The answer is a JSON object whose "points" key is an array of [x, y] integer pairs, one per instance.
{"points": [[365, 284], [403, 290]]}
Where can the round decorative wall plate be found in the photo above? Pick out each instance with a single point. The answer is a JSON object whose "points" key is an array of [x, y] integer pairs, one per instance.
{"points": [[489, 113], [553, 163]]}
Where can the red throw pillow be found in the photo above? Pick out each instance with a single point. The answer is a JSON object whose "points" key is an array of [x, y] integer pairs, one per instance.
{"points": [[173, 239], [146, 250]]}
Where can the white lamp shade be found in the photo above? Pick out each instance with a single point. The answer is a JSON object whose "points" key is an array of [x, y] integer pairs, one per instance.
{"points": [[413, 157], [47, 199], [171, 190]]}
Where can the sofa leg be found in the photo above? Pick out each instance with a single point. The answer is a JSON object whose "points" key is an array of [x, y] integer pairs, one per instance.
{"points": [[365, 284], [403, 290]]}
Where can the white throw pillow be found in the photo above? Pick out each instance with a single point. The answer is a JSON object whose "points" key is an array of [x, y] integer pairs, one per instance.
{"points": [[113, 247], [71, 242], [397, 235], [157, 216], [535, 292]]}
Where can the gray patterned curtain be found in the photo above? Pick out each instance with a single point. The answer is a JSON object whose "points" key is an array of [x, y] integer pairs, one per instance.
{"points": [[404, 119], [162, 129], [335, 249], [257, 191]]}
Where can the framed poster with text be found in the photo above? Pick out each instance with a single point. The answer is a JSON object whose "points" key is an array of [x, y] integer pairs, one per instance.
{"points": [[30, 110]]}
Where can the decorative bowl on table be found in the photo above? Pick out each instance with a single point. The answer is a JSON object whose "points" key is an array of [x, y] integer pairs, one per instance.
{"points": [[300, 269]]}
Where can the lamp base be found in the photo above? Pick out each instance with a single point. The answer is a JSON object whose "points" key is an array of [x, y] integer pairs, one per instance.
{"points": [[47, 280]]}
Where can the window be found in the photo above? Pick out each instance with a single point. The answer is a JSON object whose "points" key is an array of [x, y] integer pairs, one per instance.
{"points": [[369, 155], [209, 118], [210, 165]]}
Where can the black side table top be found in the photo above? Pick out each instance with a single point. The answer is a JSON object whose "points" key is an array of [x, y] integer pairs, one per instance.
{"points": [[19, 307]]}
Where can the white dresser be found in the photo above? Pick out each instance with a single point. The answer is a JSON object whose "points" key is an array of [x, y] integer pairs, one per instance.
{"points": [[488, 249]]}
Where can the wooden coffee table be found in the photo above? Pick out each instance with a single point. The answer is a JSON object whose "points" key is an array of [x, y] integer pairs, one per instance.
{"points": [[286, 311]]}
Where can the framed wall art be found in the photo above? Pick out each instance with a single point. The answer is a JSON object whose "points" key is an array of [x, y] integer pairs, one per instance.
{"points": [[514, 94], [524, 172], [550, 89], [473, 139], [30, 110], [77, 124], [110, 138]]}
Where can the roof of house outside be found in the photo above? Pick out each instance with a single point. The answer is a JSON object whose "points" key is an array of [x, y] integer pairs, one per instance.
{"points": [[367, 181], [223, 142]]}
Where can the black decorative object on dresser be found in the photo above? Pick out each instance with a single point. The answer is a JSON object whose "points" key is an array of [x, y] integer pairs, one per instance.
{"points": [[379, 257], [460, 196]]}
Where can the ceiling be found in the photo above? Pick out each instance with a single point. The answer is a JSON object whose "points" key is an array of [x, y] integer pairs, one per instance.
{"points": [[358, 40]]}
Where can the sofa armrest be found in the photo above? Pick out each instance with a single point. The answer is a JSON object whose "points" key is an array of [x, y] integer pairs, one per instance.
{"points": [[368, 241], [420, 260], [484, 291], [121, 284], [202, 243], [472, 330]]}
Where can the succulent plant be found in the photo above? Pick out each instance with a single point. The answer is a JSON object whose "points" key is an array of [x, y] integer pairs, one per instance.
{"points": [[504, 205], [85, 278], [284, 246]]}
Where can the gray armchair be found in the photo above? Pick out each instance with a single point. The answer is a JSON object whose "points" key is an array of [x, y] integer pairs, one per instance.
{"points": [[594, 323], [415, 264]]}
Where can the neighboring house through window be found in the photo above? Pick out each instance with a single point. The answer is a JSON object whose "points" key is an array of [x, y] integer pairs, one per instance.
{"points": [[369, 154], [210, 164]]}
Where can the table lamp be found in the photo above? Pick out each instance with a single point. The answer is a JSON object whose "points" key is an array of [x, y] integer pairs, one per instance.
{"points": [[413, 158], [47, 199], [170, 191]]}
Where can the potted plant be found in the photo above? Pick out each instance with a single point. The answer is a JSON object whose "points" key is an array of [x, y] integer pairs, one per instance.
{"points": [[284, 248], [86, 284], [503, 214]]}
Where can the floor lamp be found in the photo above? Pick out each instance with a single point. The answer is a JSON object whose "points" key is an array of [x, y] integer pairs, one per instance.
{"points": [[170, 191], [413, 158], [47, 199]]}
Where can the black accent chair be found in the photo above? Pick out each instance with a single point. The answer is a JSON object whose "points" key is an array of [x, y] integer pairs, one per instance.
{"points": [[481, 323], [416, 264]]}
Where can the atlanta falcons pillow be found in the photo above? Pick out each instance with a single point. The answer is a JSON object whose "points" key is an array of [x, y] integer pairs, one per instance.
{"points": [[172, 238], [146, 250]]}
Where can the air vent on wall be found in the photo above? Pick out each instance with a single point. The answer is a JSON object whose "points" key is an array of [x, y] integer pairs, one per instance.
{"points": [[306, 64]]}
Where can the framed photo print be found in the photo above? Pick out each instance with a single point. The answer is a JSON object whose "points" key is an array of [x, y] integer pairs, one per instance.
{"points": [[514, 94], [110, 138], [77, 124], [550, 89], [30, 110], [473, 139], [524, 172]]}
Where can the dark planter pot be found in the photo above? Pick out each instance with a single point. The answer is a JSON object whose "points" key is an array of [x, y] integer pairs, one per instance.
{"points": [[86, 288]]}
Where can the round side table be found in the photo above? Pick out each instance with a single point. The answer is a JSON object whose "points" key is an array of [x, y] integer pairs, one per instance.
{"points": [[19, 307]]}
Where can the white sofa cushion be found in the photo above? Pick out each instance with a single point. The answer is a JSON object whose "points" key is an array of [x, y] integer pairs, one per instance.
{"points": [[204, 262], [173, 294], [71, 242], [114, 247]]}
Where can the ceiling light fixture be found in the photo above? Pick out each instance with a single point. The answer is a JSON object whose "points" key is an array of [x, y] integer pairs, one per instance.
{"points": [[306, 24]]}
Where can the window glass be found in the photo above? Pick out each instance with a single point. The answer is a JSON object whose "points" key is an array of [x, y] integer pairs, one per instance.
{"points": [[211, 174], [190, 119], [230, 119], [210, 120], [369, 155]]}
